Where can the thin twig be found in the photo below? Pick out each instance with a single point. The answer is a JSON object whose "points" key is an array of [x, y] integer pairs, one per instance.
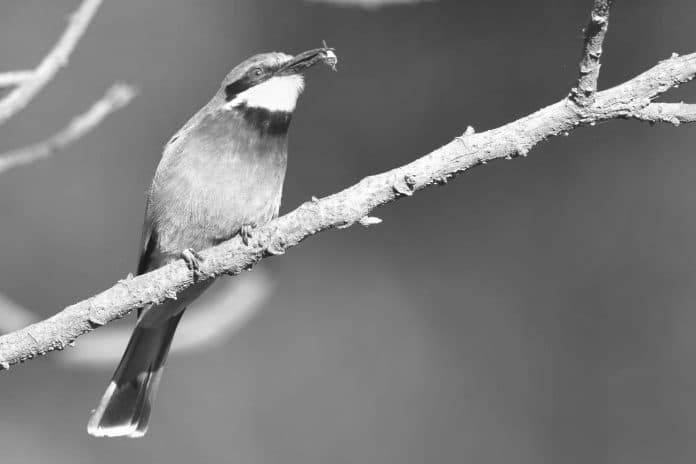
{"points": [[672, 113], [14, 78], [583, 93], [115, 98], [20, 96]]}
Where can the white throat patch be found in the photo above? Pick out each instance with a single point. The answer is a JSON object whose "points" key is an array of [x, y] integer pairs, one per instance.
{"points": [[278, 93]]}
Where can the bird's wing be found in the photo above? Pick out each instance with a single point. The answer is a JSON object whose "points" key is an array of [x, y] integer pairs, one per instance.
{"points": [[147, 248]]}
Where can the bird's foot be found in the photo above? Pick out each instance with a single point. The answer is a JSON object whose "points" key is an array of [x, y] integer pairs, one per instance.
{"points": [[246, 232], [193, 261]]}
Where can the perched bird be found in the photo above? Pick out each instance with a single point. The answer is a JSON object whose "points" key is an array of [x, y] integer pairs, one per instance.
{"points": [[220, 175]]}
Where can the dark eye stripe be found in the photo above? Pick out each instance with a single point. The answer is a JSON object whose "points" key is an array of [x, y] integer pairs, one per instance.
{"points": [[247, 81], [237, 87]]}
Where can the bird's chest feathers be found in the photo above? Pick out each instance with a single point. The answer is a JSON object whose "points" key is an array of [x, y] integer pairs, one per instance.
{"points": [[277, 94], [223, 175]]}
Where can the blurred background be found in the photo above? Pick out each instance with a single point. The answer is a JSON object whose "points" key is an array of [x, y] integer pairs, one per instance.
{"points": [[533, 311]]}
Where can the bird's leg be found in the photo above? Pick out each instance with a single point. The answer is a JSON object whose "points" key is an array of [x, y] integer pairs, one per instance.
{"points": [[246, 233], [193, 261]]}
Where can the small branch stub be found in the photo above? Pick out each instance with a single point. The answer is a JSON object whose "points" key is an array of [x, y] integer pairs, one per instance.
{"points": [[368, 221], [583, 93]]}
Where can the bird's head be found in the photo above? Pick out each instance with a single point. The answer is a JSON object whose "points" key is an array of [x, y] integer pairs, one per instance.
{"points": [[271, 82]]}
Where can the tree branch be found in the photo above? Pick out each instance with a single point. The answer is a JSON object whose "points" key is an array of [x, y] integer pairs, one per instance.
{"points": [[630, 100], [21, 95], [224, 309], [115, 98], [583, 93], [672, 113]]}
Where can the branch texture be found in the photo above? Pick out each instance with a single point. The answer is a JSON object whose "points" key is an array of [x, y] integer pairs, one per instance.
{"points": [[21, 95], [596, 29], [225, 309], [630, 100], [222, 313]]}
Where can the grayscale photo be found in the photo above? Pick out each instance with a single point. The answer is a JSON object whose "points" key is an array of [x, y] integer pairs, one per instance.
{"points": [[347, 231]]}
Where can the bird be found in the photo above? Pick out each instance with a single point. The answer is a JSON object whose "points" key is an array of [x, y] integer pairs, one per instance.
{"points": [[221, 175]]}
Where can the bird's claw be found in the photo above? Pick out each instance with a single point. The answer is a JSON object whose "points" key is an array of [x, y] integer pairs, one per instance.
{"points": [[246, 232], [193, 261]]}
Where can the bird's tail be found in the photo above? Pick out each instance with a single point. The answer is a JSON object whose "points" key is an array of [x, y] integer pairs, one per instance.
{"points": [[124, 410]]}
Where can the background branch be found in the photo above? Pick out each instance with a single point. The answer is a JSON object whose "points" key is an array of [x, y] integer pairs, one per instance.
{"points": [[21, 95], [13, 78], [115, 98]]}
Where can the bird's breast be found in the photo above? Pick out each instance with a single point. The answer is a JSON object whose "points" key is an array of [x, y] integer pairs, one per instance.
{"points": [[224, 173]]}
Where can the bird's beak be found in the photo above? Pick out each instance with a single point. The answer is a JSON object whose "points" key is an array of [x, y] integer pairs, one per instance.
{"points": [[305, 60]]}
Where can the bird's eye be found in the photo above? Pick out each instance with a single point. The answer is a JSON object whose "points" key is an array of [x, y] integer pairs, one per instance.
{"points": [[257, 72]]}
